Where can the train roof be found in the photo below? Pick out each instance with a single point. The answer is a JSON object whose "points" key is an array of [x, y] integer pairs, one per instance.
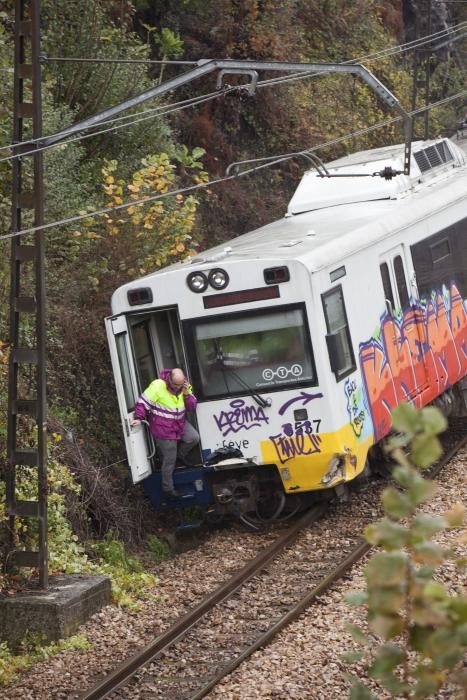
{"points": [[330, 218]]}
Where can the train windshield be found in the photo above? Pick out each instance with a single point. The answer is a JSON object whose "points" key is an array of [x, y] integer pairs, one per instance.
{"points": [[249, 351]]}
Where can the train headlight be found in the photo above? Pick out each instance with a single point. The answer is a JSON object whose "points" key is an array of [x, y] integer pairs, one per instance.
{"points": [[218, 278], [197, 281]]}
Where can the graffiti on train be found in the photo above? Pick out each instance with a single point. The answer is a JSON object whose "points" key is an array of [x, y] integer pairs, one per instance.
{"points": [[416, 357], [355, 406], [240, 417], [298, 441]]}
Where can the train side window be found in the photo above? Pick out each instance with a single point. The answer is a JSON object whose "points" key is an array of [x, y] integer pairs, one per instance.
{"points": [[120, 340], [401, 281], [338, 333], [386, 279], [144, 354], [440, 251]]}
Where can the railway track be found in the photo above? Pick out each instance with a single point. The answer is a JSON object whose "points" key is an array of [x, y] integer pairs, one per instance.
{"points": [[245, 613]]}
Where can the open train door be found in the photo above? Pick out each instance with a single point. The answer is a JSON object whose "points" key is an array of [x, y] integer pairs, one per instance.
{"points": [[127, 393]]}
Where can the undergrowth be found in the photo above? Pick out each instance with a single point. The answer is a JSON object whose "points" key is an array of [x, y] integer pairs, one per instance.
{"points": [[32, 651]]}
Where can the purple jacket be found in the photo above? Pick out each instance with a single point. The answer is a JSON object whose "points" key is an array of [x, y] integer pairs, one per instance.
{"points": [[164, 408]]}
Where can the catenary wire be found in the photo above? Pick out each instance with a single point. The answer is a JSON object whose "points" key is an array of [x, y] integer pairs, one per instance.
{"points": [[188, 103], [192, 188], [63, 59], [150, 113], [398, 48], [384, 53], [271, 82]]}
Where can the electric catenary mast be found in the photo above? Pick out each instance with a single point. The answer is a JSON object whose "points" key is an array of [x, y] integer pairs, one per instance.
{"points": [[26, 389]]}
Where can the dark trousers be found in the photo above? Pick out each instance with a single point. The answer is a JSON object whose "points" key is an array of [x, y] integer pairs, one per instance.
{"points": [[168, 450]]}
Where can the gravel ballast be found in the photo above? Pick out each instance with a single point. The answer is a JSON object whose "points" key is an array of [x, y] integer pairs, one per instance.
{"points": [[303, 662]]}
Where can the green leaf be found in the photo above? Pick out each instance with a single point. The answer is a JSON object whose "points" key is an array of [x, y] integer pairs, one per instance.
{"points": [[444, 648], [358, 691], [357, 598], [386, 569], [388, 657], [462, 634], [396, 504], [357, 634], [353, 657], [419, 637], [396, 687], [405, 475], [427, 683], [434, 421], [435, 591], [421, 490], [428, 553], [427, 615], [406, 418], [198, 152], [386, 626], [387, 534], [386, 600], [425, 572], [425, 450], [424, 526], [458, 609]]}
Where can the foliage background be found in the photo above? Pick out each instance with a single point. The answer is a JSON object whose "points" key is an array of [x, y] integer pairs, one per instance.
{"points": [[85, 264]]}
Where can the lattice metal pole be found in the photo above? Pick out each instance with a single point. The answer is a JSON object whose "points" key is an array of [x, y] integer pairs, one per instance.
{"points": [[27, 299], [422, 63]]}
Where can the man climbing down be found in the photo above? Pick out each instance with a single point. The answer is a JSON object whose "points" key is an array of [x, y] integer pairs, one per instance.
{"points": [[164, 404]]}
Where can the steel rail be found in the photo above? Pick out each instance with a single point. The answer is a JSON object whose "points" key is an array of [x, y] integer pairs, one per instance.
{"points": [[122, 674], [356, 555]]}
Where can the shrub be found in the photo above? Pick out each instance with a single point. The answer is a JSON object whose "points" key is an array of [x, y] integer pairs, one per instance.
{"points": [[423, 627]]}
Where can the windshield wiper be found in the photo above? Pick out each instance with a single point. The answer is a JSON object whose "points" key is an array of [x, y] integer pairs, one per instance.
{"points": [[264, 403]]}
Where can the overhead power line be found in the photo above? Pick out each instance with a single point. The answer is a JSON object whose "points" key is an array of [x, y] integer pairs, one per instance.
{"points": [[161, 111], [158, 111], [68, 59], [98, 59], [192, 188]]}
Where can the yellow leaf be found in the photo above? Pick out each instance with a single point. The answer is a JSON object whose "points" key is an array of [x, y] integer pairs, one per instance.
{"points": [[118, 200], [180, 247], [110, 179], [134, 188]]}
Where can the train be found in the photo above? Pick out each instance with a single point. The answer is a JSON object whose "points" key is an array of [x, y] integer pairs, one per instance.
{"points": [[301, 336]]}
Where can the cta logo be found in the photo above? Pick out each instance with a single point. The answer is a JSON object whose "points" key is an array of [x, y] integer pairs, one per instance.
{"points": [[282, 373]]}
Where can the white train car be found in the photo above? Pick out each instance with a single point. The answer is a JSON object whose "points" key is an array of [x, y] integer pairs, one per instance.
{"points": [[300, 337]]}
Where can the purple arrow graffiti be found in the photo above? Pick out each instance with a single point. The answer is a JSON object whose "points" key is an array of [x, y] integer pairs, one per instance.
{"points": [[304, 398]]}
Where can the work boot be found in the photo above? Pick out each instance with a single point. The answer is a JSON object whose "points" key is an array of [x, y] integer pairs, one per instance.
{"points": [[172, 493]]}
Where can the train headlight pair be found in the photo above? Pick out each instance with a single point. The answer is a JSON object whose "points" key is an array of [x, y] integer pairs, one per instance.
{"points": [[198, 281]]}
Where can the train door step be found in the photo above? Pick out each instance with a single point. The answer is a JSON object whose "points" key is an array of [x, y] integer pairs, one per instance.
{"points": [[179, 497], [188, 527]]}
